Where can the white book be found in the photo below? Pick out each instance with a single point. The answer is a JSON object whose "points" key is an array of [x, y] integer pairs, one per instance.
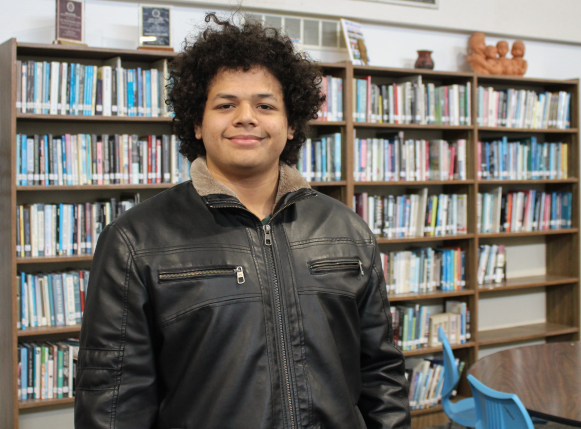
{"points": [[496, 206], [54, 86], [45, 301], [154, 93]]}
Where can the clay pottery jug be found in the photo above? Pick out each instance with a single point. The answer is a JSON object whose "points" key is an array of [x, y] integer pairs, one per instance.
{"points": [[424, 60]]}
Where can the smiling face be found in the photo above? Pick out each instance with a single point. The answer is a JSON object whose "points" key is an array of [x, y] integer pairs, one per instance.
{"points": [[245, 127]]}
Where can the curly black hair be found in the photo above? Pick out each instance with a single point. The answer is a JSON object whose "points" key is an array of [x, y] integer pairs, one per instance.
{"points": [[226, 46]]}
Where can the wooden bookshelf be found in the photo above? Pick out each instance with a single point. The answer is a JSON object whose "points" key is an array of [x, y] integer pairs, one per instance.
{"points": [[561, 281]]}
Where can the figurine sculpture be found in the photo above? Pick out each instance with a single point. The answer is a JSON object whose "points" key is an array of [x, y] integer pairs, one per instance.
{"points": [[492, 60], [506, 63], [518, 51]]}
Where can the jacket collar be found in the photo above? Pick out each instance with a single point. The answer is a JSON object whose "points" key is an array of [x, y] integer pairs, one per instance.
{"points": [[213, 191]]}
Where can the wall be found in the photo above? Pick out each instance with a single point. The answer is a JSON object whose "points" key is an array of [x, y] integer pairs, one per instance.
{"points": [[115, 24]]}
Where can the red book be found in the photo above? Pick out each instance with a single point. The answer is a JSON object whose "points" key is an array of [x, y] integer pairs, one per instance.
{"points": [[508, 212], [158, 162], [82, 288], [452, 159], [149, 159]]}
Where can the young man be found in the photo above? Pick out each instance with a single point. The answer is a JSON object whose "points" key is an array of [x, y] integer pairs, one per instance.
{"points": [[241, 299]]}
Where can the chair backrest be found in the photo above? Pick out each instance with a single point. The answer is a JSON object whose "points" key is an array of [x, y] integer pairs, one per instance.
{"points": [[498, 410], [451, 376]]}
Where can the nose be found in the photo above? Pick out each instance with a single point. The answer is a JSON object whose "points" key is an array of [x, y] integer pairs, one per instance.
{"points": [[245, 115]]}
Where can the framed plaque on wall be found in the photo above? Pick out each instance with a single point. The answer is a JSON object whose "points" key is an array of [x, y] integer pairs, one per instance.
{"points": [[155, 27], [70, 21]]}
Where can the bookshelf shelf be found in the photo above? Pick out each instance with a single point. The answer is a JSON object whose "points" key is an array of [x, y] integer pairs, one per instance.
{"points": [[430, 295], [425, 239], [42, 403], [528, 283], [530, 130], [317, 123], [49, 330], [49, 188], [53, 259], [430, 350], [563, 315], [524, 333], [412, 126], [528, 182], [529, 233], [91, 118], [415, 183]]}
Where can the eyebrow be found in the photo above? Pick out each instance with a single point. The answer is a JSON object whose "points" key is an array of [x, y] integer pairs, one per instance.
{"points": [[254, 96]]}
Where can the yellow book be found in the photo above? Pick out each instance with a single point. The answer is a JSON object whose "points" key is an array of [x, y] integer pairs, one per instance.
{"points": [[434, 216], [564, 161]]}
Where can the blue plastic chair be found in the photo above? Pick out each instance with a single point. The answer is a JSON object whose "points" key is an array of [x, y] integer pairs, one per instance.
{"points": [[498, 410], [462, 412]]}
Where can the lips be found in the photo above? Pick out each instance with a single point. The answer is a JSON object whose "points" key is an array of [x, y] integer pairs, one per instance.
{"points": [[245, 139]]}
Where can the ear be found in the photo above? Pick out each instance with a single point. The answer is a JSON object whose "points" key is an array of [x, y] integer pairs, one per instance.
{"points": [[290, 133], [198, 131]]}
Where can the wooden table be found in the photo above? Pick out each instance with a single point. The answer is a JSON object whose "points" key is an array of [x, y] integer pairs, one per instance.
{"points": [[546, 378]]}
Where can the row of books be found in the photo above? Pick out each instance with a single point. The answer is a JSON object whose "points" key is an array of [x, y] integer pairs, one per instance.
{"points": [[410, 101], [522, 160], [523, 211], [424, 270], [414, 215], [396, 159], [320, 159], [55, 299], [491, 264], [332, 108], [416, 326], [426, 381], [519, 108], [47, 370], [65, 229], [60, 88], [90, 159]]}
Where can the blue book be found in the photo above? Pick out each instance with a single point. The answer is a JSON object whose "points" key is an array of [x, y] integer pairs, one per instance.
{"points": [[46, 88], [324, 169], [61, 228], [58, 299], [401, 216], [89, 91], [463, 268], [51, 300], [362, 100], [72, 93], [148, 92], [551, 160], [24, 300], [487, 152], [18, 160], [337, 155], [78, 95], [505, 161], [534, 169], [140, 102], [130, 97], [24, 372]]}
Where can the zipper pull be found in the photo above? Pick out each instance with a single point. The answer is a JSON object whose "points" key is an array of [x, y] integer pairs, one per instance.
{"points": [[267, 236], [240, 275], [361, 267]]}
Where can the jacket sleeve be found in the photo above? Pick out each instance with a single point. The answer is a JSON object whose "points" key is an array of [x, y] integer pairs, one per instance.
{"points": [[384, 396], [116, 376]]}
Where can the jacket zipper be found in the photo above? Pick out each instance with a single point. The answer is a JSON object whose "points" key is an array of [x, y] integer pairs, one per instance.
{"points": [[278, 299], [238, 271], [330, 265], [268, 242]]}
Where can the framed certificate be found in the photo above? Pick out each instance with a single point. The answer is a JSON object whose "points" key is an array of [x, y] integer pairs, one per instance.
{"points": [[154, 26], [70, 21]]}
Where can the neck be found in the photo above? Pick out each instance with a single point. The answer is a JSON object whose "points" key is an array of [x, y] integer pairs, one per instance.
{"points": [[257, 191]]}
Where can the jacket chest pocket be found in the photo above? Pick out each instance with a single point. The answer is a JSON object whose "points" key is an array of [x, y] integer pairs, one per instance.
{"points": [[183, 290], [336, 265], [200, 273]]}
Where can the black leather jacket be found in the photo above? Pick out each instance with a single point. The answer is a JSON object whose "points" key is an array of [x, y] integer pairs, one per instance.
{"points": [[199, 317]]}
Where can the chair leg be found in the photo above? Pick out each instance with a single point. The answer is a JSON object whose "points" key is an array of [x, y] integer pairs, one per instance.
{"points": [[450, 424]]}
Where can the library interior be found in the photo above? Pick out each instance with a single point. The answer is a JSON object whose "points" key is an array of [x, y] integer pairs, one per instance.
{"points": [[447, 295]]}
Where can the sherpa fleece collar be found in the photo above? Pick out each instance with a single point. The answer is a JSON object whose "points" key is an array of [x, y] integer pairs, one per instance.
{"points": [[289, 180]]}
